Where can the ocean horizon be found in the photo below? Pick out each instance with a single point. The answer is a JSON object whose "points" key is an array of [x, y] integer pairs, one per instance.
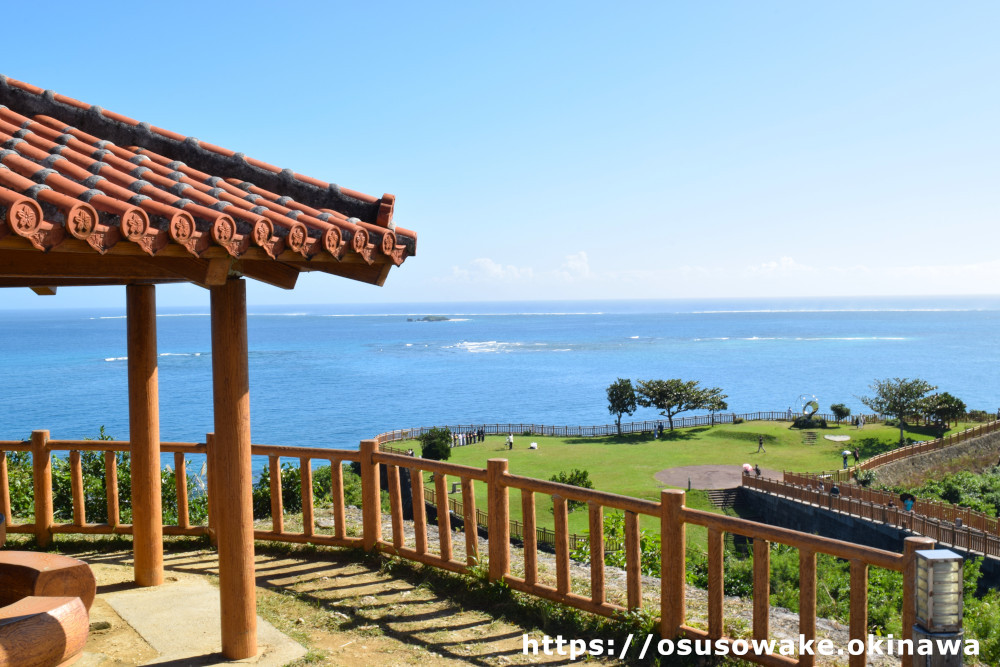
{"points": [[332, 375]]}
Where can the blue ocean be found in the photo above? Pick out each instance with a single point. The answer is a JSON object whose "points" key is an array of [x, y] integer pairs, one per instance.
{"points": [[332, 375]]}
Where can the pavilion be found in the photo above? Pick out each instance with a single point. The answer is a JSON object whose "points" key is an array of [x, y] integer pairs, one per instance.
{"points": [[92, 197]]}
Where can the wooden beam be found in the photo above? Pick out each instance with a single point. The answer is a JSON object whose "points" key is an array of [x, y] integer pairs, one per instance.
{"points": [[33, 283], [33, 264], [232, 479], [44, 291], [361, 272], [270, 272], [217, 272], [144, 430]]}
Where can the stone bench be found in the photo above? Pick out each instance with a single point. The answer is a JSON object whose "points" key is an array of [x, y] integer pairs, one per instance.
{"points": [[45, 601]]}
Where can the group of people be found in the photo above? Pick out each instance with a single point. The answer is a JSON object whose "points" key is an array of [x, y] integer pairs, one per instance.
{"points": [[462, 439], [855, 453]]}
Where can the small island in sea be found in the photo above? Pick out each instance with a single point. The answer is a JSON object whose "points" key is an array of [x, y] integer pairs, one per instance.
{"points": [[429, 318]]}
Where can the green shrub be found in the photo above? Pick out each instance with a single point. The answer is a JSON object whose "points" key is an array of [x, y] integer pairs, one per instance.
{"points": [[435, 444], [576, 477], [809, 422], [21, 484], [866, 477], [980, 416], [614, 534], [978, 492], [291, 489]]}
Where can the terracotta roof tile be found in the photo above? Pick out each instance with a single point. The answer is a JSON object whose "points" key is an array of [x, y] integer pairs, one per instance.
{"points": [[69, 169]]}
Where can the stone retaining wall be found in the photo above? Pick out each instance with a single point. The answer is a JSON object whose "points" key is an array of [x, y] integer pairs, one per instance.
{"points": [[986, 448]]}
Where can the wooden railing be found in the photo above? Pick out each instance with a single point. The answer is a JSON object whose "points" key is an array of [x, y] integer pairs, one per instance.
{"points": [[978, 535], [543, 536], [846, 474], [583, 592], [876, 508], [647, 426], [931, 508]]}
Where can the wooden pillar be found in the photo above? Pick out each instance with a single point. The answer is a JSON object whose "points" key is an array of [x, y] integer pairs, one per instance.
{"points": [[144, 430], [232, 477], [41, 466]]}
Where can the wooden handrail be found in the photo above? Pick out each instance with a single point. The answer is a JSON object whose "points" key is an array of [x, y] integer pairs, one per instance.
{"points": [[672, 514]]}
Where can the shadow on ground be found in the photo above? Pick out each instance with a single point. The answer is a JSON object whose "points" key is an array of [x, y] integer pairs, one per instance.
{"points": [[348, 607]]}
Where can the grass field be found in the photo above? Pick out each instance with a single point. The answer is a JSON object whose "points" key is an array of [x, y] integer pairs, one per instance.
{"points": [[627, 465]]}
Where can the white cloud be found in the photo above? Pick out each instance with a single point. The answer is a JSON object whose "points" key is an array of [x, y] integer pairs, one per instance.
{"points": [[574, 267], [484, 269]]}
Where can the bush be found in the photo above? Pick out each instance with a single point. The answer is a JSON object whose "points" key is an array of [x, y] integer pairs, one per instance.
{"points": [[291, 489], [435, 444], [738, 420], [614, 536], [980, 416], [809, 422], [21, 485], [866, 477], [576, 477]]}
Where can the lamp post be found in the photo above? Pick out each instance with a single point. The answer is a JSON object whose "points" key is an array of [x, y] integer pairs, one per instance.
{"points": [[939, 607]]}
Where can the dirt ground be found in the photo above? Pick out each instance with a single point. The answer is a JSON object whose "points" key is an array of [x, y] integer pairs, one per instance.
{"points": [[344, 610], [708, 477]]}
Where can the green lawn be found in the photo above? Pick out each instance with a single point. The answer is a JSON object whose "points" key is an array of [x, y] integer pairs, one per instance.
{"points": [[627, 465]]}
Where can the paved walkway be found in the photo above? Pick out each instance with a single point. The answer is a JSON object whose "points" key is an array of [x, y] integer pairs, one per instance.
{"points": [[173, 624], [708, 477]]}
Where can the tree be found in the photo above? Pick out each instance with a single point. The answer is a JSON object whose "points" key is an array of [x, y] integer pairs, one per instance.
{"points": [[944, 407], [436, 444], [621, 400], [576, 477], [840, 411], [715, 401], [897, 397], [671, 397]]}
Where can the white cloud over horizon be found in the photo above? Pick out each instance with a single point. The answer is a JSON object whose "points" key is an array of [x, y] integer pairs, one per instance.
{"points": [[578, 276]]}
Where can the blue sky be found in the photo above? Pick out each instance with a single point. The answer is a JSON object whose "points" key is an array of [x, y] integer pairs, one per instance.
{"points": [[580, 150]]}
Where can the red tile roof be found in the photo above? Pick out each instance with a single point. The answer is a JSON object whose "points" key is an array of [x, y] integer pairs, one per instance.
{"points": [[77, 178]]}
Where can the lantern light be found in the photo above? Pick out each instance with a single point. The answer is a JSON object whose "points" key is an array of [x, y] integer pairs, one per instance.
{"points": [[939, 590]]}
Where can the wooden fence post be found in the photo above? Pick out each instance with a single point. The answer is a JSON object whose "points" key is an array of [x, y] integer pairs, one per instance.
{"points": [[76, 486], [213, 490], [498, 510], [761, 588], [277, 508], [111, 487], [181, 479], [41, 467], [4, 490], [306, 478], [807, 601], [673, 555], [371, 496]]}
